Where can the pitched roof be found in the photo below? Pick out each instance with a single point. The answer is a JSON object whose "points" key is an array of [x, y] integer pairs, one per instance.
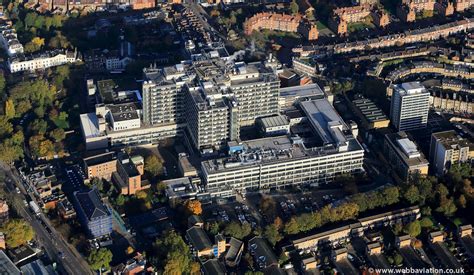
{"points": [[198, 238], [91, 204]]}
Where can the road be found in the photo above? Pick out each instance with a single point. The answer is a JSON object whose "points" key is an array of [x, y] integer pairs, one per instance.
{"points": [[46, 235]]}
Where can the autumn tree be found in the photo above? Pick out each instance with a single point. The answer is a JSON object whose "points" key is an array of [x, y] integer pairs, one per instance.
{"points": [[9, 109], [100, 258], [17, 232], [193, 207]]}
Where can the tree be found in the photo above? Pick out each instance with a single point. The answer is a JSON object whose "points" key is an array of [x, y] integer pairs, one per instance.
{"points": [[193, 207], [153, 165], [238, 231], [57, 135], [38, 41], [100, 258], [391, 195], [271, 234], [120, 200], [98, 183], [397, 259], [411, 194], [172, 254], [294, 7], [17, 232], [2, 83], [268, 207], [291, 227], [447, 207], [413, 229], [10, 152], [6, 128], [9, 109], [30, 19], [426, 223], [462, 202]]}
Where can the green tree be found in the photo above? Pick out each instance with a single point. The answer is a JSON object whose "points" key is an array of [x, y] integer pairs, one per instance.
{"points": [[294, 7], [271, 234], [172, 255], [57, 135], [100, 258], [17, 232], [2, 84], [426, 223], [153, 165], [238, 231], [291, 227], [413, 229], [120, 200], [6, 128], [30, 19], [411, 194], [447, 207], [38, 126], [391, 195], [10, 152]]}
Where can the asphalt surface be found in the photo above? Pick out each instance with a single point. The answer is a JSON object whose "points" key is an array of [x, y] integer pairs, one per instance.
{"points": [[68, 259]]}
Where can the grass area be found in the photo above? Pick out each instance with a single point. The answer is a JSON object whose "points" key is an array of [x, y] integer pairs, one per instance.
{"points": [[321, 25], [358, 26]]}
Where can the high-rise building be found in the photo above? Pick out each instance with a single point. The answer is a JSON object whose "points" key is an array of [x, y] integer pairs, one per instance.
{"points": [[409, 107], [162, 94], [211, 117], [448, 148]]}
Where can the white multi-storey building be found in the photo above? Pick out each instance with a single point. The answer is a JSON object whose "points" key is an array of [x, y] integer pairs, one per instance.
{"points": [[41, 61], [410, 104], [282, 161], [448, 148]]}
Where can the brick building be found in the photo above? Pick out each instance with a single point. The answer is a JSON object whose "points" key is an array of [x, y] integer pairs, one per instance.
{"points": [[100, 166], [281, 22], [462, 5], [343, 16]]}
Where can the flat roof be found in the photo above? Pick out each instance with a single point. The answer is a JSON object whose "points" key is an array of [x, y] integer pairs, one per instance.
{"points": [[325, 119], [100, 158], [401, 151], [310, 90], [368, 109], [90, 125], [124, 111], [274, 121]]}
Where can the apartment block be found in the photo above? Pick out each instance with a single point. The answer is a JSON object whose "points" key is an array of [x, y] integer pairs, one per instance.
{"points": [[343, 16], [281, 22], [448, 148], [92, 213], [409, 108], [41, 61], [404, 156]]}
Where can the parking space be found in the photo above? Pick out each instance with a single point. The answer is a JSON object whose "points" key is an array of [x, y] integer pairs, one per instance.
{"points": [[234, 211], [74, 178]]}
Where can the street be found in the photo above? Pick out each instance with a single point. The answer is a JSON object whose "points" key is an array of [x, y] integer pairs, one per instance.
{"points": [[54, 244]]}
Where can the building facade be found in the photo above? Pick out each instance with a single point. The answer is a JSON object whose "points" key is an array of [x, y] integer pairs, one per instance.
{"points": [[404, 156], [281, 22], [448, 148], [92, 213], [409, 108]]}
